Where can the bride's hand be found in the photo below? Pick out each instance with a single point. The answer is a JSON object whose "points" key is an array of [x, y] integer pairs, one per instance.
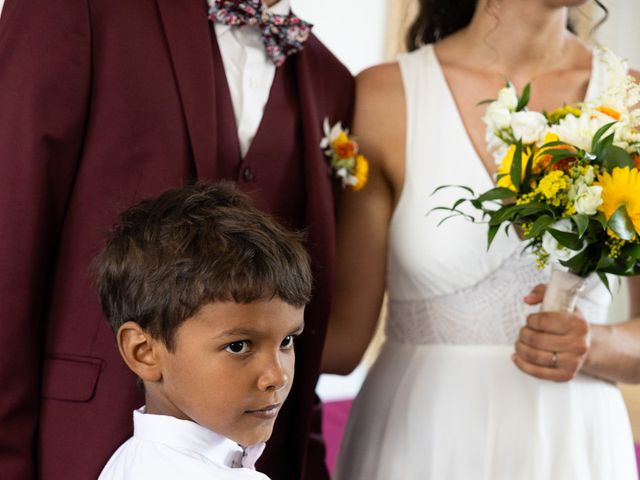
{"points": [[552, 345]]}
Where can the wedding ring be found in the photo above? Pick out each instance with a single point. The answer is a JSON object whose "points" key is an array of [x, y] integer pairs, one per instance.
{"points": [[554, 359]]}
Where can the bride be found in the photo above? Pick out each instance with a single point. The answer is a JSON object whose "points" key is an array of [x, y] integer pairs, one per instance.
{"points": [[471, 382]]}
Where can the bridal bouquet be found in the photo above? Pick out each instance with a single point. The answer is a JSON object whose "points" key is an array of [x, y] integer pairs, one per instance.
{"points": [[569, 179]]}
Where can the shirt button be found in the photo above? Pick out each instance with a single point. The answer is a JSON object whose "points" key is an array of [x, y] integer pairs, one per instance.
{"points": [[247, 174]]}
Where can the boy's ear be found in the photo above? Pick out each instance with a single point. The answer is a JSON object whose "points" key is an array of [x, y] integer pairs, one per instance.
{"points": [[139, 351]]}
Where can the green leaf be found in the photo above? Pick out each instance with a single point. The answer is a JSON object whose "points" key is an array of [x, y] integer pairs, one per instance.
{"points": [[526, 181], [621, 224], [516, 166], [567, 239], [442, 187], [582, 222], [604, 280], [533, 208], [540, 225], [456, 214], [502, 214], [560, 153], [613, 157], [484, 102], [493, 229], [577, 264], [601, 219], [548, 145], [497, 193], [632, 251], [458, 202], [523, 101], [598, 135]]}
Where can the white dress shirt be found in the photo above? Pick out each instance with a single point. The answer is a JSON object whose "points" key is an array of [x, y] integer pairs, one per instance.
{"points": [[249, 73], [167, 448]]}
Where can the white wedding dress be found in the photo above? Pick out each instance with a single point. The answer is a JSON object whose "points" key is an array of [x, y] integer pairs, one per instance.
{"points": [[444, 401]]}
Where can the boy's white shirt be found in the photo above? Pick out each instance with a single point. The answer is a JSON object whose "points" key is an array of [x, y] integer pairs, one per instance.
{"points": [[249, 73], [167, 448]]}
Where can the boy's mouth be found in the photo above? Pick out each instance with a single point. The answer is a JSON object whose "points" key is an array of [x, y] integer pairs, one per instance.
{"points": [[267, 412]]}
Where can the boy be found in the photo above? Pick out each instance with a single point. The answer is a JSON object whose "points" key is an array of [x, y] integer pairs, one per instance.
{"points": [[205, 295]]}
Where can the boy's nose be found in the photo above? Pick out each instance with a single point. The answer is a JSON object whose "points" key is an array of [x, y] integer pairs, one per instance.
{"points": [[276, 373]]}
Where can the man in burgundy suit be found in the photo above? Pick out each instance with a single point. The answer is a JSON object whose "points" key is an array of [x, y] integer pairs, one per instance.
{"points": [[105, 102]]}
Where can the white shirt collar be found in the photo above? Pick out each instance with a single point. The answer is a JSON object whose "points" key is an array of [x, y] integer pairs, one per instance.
{"points": [[283, 7], [188, 435]]}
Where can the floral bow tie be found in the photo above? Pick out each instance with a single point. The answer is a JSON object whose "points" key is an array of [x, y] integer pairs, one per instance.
{"points": [[282, 35]]}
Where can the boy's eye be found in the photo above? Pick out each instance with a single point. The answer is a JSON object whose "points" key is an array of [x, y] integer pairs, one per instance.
{"points": [[237, 347], [287, 342]]}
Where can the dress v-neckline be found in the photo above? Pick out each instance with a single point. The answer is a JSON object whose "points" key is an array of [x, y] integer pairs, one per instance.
{"points": [[460, 123]]}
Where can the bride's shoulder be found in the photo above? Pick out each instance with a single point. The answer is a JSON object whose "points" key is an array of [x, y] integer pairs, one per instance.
{"points": [[379, 92], [380, 77], [379, 121]]}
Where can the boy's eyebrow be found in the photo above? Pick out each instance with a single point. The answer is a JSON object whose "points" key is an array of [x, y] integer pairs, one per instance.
{"points": [[237, 332], [299, 329]]}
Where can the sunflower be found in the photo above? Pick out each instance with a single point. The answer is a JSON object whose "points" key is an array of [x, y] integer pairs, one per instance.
{"points": [[621, 187]]}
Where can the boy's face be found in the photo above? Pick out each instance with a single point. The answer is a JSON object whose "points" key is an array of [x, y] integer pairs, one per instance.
{"points": [[231, 368]]}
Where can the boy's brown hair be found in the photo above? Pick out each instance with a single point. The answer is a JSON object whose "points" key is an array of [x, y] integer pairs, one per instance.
{"points": [[168, 256]]}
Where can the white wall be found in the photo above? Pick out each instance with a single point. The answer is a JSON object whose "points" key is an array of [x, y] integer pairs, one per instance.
{"points": [[354, 30], [620, 32]]}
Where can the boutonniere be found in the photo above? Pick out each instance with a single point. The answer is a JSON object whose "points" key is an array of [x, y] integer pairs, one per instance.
{"points": [[346, 162]]}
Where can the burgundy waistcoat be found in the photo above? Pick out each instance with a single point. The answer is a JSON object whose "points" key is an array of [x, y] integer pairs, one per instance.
{"points": [[272, 171]]}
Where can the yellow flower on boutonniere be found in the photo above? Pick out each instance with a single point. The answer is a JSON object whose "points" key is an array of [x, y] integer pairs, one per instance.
{"points": [[346, 162]]}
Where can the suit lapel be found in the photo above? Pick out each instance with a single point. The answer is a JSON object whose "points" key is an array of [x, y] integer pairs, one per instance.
{"points": [[188, 33]]}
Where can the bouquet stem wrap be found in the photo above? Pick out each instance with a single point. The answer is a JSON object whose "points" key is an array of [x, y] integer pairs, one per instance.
{"points": [[562, 291]]}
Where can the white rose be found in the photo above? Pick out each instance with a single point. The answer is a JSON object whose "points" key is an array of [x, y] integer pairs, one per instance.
{"points": [[589, 176], [508, 98], [584, 180], [497, 116], [530, 127], [556, 251], [588, 199]]}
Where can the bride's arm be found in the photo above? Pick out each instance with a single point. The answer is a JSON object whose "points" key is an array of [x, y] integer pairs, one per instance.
{"points": [[363, 220], [615, 349]]}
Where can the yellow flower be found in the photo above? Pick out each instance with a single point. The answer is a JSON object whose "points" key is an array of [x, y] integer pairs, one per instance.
{"points": [[621, 187], [609, 112], [559, 113], [542, 160], [361, 172], [341, 139], [504, 170], [553, 186]]}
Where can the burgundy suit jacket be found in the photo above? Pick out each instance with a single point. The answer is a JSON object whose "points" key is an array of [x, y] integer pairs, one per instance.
{"points": [[102, 103]]}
